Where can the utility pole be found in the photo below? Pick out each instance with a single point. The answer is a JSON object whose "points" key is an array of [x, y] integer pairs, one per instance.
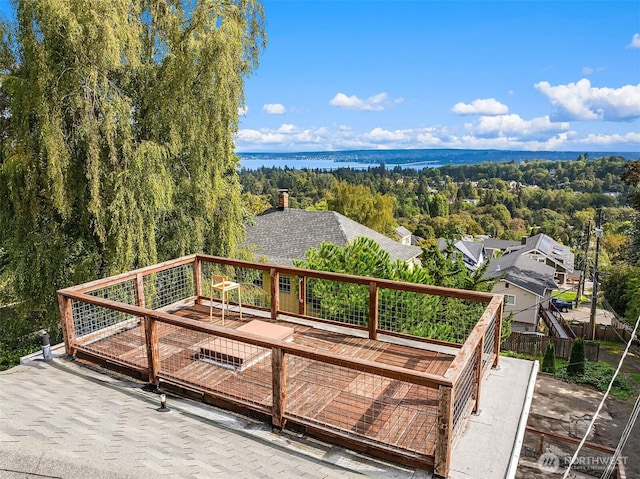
{"points": [[585, 267], [594, 298]]}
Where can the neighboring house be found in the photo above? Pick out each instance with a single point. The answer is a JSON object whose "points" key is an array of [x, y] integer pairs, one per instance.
{"points": [[473, 252], [496, 247], [403, 235], [282, 235], [525, 284], [545, 249]]}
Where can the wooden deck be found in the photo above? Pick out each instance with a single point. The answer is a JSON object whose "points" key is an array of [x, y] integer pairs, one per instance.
{"points": [[384, 411]]}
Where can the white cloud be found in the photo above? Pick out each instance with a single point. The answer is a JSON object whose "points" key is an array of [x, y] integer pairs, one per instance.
{"points": [[378, 135], [581, 101], [482, 106], [635, 41], [613, 141], [515, 126], [505, 132], [374, 103], [274, 109], [243, 110], [587, 70]]}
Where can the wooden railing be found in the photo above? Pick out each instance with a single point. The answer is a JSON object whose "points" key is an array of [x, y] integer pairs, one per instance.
{"points": [[97, 310]]}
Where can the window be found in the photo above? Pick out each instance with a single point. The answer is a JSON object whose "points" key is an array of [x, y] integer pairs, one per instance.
{"points": [[510, 299], [285, 284]]}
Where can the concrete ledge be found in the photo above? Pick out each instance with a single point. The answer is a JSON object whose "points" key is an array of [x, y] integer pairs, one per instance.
{"points": [[486, 447]]}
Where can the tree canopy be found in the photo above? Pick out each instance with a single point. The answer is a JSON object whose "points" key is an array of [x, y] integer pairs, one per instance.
{"points": [[117, 142], [441, 318]]}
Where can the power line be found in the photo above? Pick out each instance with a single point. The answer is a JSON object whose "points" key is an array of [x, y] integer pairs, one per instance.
{"points": [[623, 440], [606, 394]]}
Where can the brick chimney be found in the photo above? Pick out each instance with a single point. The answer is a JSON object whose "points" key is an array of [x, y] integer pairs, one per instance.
{"points": [[283, 199]]}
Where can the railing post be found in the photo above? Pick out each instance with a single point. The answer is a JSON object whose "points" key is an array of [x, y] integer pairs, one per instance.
{"points": [[197, 279], [477, 373], [139, 290], [302, 295], [68, 327], [279, 387], [444, 438], [275, 293], [373, 310], [541, 445], [498, 335], [153, 351]]}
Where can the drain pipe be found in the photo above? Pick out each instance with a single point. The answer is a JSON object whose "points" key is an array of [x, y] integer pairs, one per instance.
{"points": [[45, 344]]}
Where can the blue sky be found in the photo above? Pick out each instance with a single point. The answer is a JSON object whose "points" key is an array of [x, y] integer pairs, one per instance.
{"points": [[357, 74], [542, 75]]}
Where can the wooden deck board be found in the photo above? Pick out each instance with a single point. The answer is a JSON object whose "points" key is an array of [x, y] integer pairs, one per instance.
{"points": [[384, 410]]}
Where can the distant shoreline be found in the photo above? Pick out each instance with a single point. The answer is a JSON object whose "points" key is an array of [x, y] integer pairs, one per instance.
{"points": [[416, 159]]}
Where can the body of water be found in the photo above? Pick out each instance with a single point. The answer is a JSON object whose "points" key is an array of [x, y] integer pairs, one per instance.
{"points": [[417, 159]]}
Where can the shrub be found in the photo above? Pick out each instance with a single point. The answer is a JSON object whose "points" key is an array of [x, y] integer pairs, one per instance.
{"points": [[576, 359], [549, 361]]}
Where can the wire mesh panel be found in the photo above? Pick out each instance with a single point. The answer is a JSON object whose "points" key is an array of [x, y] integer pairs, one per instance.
{"points": [[427, 316], [406, 312], [110, 334], [489, 345], [89, 319], [254, 284], [360, 404], [227, 368], [168, 286], [338, 301], [463, 395]]}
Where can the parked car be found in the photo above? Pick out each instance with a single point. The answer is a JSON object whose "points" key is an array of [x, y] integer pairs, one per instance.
{"points": [[562, 306]]}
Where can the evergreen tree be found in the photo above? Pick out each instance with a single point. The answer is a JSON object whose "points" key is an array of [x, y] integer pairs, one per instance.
{"points": [[117, 148], [576, 358], [549, 360]]}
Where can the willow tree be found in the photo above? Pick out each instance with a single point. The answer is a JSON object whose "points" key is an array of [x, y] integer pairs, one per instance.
{"points": [[118, 146]]}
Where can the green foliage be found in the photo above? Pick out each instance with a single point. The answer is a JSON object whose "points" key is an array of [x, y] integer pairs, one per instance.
{"points": [[448, 269], [446, 319], [506, 330], [631, 177], [358, 203], [576, 358], [598, 375], [17, 337], [117, 151], [549, 361], [620, 289]]}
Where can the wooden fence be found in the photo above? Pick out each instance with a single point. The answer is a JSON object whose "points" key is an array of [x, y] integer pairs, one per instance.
{"points": [[535, 345], [603, 332]]}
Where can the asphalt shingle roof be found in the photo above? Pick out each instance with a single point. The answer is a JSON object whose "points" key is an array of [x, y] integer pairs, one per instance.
{"points": [[494, 243], [549, 247], [287, 234], [523, 271]]}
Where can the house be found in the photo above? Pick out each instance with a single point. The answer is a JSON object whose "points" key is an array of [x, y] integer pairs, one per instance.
{"points": [[281, 235], [496, 247], [403, 235], [285, 234], [473, 252], [545, 249], [526, 284]]}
